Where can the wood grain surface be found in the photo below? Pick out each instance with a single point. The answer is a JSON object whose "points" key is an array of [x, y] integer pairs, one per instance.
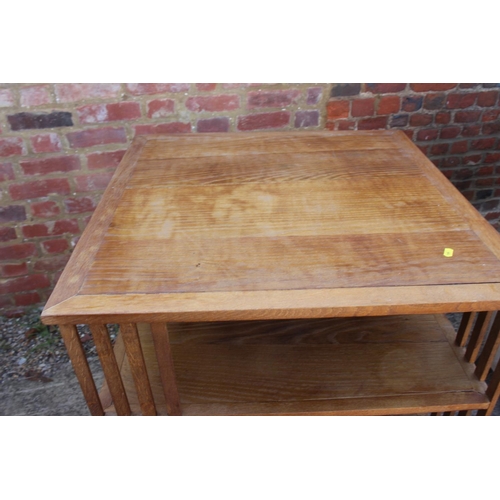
{"points": [[278, 213], [386, 365]]}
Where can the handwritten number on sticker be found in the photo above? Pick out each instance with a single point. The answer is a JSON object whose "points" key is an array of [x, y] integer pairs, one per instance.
{"points": [[448, 252]]}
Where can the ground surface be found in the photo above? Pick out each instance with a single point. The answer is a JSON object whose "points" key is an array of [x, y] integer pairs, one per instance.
{"points": [[36, 375]]}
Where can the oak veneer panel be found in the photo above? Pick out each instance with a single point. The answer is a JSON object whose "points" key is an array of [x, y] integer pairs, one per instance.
{"points": [[366, 365], [271, 168], [182, 146], [280, 263], [179, 199]]}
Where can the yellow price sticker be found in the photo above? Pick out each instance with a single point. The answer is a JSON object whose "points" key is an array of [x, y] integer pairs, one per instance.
{"points": [[448, 252]]}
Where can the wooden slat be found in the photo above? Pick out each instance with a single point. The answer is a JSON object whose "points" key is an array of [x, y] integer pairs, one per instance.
{"points": [[166, 367], [490, 349], [477, 336], [110, 368], [138, 367], [78, 359], [465, 328]]}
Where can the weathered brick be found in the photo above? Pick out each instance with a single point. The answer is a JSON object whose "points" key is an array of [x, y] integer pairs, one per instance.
{"points": [[52, 228], [363, 107], [443, 117], [314, 95], [468, 85], [235, 85], [459, 147], [7, 234], [491, 128], [467, 116], [412, 103], [206, 87], [488, 143], [156, 88], [24, 283], [429, 87], [55, 246], [490, 115], [464, 173], [44, 209], [163, 128], [424, 149], [408, 133], [94, 137], [420, 120], [79, 205], [10, 146], [6, 172], [485, 182], [95, 182], [491, 85], [50, 264], [450, 161], [218, 124], [37, 95], [434, 101], [470, 130], [25, 121], [264, 120], [456, 101], [346, 125], [99, 113], [427, 134], [484, 171], [308, 118], [160, 108], [17, 252], [213, 103], [472, 159], [27, 299], [385, 88], [37, 189], [6, 301], [388, 105], [399, 121], [46, 143], [108, 159], [373, 123], [439, 149], [49, 165], [10, 270], [337, 109], [487, 99], [12, 213], [6, 98], [272, 99], [345, 89], [72, 92], [492, 158]]}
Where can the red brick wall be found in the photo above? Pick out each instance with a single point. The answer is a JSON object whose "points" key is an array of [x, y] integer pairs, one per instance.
{"points": [[60, 143]]}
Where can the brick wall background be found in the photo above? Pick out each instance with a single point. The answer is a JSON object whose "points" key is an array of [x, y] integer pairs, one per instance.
{"points": [[60, 143]]}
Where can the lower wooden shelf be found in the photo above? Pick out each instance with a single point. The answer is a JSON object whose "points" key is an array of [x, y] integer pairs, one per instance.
{"points": [[340, 366]]}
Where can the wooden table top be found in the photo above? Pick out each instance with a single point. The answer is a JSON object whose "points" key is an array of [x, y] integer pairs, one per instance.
{"points": [[278, 225]]}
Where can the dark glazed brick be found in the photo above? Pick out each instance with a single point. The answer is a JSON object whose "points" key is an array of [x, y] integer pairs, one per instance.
{"points": [[483, 194], [345, 89], [399, 121], [306, 119], [12, 213], [412, 103], [219, 124], [24, 121], [314, 95]]}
